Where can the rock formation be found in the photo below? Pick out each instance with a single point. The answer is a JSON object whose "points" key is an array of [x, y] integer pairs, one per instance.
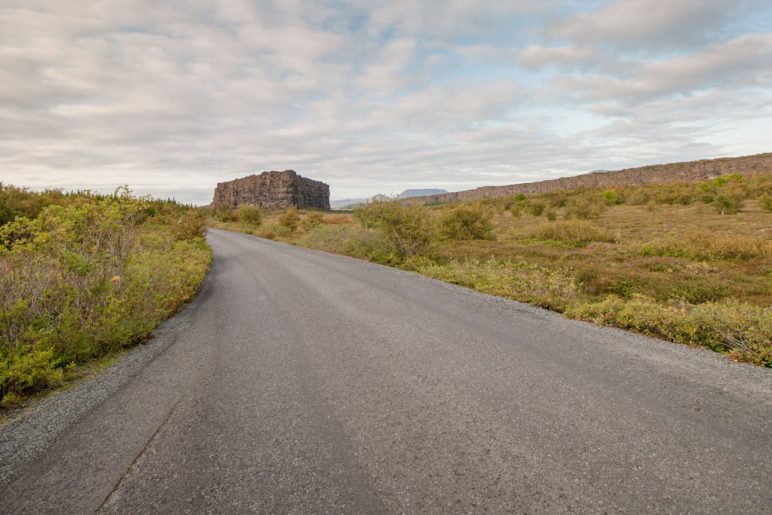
{"points": [[654, 174], [272, 191]]}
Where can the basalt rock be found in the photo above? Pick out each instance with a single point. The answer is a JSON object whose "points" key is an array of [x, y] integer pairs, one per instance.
{"points": [[272, 191]]}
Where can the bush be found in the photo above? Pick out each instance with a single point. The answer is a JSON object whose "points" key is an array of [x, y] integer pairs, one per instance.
{"points": [[467, 223], [191, 224], [26, 371], [266, 232], [517, 280], [611, 198], [765, 202], [737, 328], [726, 205], [225, 214], [87, 279], [408, 229], [536, 208], [584, 208], [250, 215], [289, 219], [552, 216]]}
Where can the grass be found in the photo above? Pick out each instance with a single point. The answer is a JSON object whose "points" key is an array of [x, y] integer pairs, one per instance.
{"points": [[84, 278], [662, 260]]}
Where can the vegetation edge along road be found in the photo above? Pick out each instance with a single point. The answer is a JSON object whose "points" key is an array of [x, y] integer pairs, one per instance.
{"points": [[84, 276], [686, 262]]}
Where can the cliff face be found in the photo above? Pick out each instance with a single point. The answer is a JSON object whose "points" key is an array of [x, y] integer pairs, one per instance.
{"points": [[272, 191], [654, 174]]}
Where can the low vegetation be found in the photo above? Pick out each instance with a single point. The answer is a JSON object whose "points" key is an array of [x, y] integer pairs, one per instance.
{"points": [[84, 275], [686, 262]]}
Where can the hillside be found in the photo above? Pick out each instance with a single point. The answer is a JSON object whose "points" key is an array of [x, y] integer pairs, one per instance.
{"points": [[689, 171]]}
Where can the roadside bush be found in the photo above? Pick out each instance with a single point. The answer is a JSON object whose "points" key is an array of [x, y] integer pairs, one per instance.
{"points": [[517, 280], [27, 371], [740, 329], [87, 279], [289, 219], [250, 215], [467, 223], [225, 214], [266, 232], [371, 244], [408, 229], [190, 224]]}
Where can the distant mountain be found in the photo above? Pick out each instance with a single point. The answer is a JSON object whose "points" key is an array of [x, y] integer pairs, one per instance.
{"points": [[352, 202], [345, 202], [421, 192]]}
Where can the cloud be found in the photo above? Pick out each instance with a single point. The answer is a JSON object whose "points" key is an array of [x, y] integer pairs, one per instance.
{"points": [[649, 23], [173, 97], [538, 55], [739, 63]]}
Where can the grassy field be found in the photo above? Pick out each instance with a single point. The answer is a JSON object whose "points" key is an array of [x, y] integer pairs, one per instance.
{"points": [[84, 276], [691, 263]]}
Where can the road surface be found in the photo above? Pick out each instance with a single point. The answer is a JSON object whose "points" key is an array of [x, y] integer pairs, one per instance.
{"points": [[305, 382]]}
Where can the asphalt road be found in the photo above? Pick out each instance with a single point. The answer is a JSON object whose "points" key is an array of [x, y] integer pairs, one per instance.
{"points": [[306, 382]]}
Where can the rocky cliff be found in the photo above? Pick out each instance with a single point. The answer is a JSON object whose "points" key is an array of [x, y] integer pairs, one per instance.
{"points": [[654, 174], [272, 191]]}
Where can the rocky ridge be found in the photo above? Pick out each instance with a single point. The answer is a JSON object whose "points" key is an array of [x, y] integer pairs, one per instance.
{"points": [[689, 171]]}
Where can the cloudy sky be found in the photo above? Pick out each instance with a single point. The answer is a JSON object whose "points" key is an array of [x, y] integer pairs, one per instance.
{"points": [[173, 96]]}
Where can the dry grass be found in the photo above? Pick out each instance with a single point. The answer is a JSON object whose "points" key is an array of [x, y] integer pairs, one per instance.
{"points": [[575, 233]]}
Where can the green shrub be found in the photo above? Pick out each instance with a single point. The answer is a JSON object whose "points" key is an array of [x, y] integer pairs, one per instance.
{"points": [[408, 229], [517, 280], [250, 215], [225, 214], [726, 205], [765, 202], [612, 198], [536, 208], [26, 371], [85, 279], [467, 223], [741, 329], [552, 216], [191, 224]]}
